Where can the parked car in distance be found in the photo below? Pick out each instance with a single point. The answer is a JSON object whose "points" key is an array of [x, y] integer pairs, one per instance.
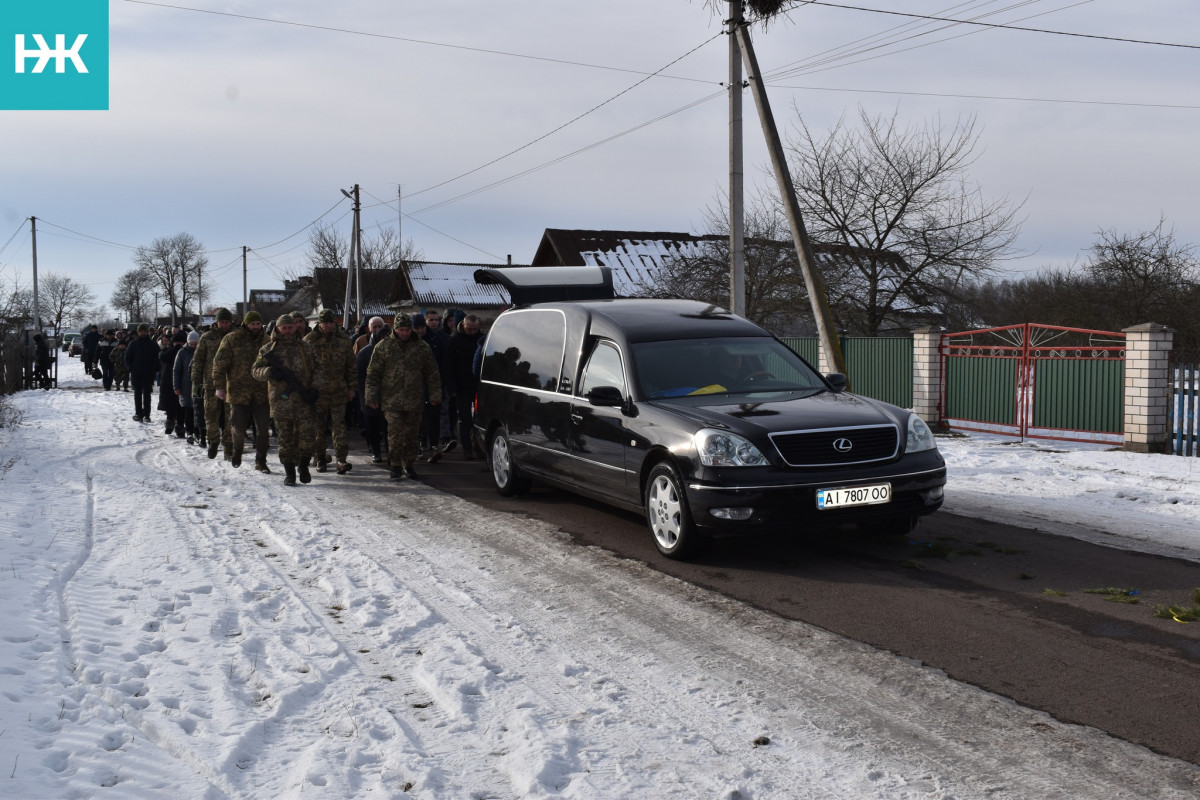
{"points": [[697, 418], [67, 338]]}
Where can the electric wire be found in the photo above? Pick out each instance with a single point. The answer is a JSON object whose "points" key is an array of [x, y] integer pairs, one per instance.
{"points": [[376, 35], [1003, 26]]}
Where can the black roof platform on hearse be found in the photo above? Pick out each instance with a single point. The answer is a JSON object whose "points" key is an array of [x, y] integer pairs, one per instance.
{"points": [[584, 296]]}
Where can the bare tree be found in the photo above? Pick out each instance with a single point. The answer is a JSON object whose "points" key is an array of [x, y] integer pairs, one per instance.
{"points": [[328, 248], [133, 294], [63, 299], [1147, 273], [16, 306], [177, 264], [898, 200], [775, 294]]}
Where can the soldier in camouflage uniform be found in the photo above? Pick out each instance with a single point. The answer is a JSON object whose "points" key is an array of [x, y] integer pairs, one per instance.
{"points": [[292, 372], [340, 380], [401, 373], [236, 386], [215, 431]]}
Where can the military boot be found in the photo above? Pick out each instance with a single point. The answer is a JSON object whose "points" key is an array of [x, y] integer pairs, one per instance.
{"points": [[212, 449], [290, 478], [305, 475], [235, 458], [397, 473], [322, 463], [261, 466]]}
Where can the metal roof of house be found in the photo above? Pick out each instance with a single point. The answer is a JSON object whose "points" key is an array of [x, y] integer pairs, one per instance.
{"points": [[443, 284]]}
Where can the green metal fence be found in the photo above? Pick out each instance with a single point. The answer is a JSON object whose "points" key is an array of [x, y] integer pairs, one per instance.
{"points": [[879, 368], [1041, 381]]}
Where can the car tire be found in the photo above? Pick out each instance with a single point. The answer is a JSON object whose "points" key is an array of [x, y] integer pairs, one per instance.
{"points": [[668, 515], [509, 478]]}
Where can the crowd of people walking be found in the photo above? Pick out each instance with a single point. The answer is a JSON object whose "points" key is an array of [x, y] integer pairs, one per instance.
{"points": [[407, 386]]}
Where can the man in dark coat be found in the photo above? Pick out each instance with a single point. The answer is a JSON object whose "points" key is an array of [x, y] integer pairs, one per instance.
{"points": [[41, 361], [141, 358], [91, 341], [462, 381]]}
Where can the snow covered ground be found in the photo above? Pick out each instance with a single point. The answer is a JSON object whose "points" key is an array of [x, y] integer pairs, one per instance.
{"points": [[176, 628]]}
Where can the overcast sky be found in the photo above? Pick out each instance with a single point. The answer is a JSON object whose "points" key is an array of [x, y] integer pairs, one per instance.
{"points": [[241, 127]]}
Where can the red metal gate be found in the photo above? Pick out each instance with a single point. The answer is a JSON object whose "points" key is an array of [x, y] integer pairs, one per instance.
{"points": [[1035, 381]]}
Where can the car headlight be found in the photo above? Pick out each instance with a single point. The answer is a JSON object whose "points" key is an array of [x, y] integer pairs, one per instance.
{"points": [[725, 449], [919, 436]]}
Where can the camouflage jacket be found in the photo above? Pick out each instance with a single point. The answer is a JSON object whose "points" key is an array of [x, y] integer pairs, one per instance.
{"points": [[401, 374], [231, 367], [287, 400], [202, 360], [335, 357]]}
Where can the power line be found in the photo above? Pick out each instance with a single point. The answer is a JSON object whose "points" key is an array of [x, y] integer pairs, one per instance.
{"points": [[86, 236], [375, 35], [567, 123], [20, 228], [1064, 101], [1006, 27], [907, 31]]}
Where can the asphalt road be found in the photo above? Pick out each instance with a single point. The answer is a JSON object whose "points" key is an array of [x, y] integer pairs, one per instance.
{"points": [[1010, 610]]}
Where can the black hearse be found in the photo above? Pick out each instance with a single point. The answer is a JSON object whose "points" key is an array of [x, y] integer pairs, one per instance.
{"points": [[696, 417]]}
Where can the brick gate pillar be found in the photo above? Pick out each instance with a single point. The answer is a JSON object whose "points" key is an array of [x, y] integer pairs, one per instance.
{"points": [[927, 374], [1147, 387]]}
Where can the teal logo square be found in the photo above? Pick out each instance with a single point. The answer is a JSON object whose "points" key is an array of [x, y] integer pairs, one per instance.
{"points": [[54, 55]]}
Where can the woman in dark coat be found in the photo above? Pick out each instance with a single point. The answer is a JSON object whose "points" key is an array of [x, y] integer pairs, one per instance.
{"points": [[181, 379], [168, 402]]}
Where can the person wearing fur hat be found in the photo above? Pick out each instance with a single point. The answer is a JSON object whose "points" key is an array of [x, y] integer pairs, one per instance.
{"points": [[339, 384], [212, 415], [290, 368], [400, 375], [168, 401], [247, 397]]}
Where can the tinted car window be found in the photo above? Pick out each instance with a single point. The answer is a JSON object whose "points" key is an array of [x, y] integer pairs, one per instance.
{"points": [[603, 369], [525, 348], [720, 366]]}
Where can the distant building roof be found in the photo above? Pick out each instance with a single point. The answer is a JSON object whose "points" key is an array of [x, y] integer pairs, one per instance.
{"points": [[435, 284], [631, 255], [330, 286]]}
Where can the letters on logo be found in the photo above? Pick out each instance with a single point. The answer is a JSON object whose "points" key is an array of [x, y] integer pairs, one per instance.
{"points": [[43, 54]]}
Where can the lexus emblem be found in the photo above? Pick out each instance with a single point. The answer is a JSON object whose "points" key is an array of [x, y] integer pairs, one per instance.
{"points": [[843, 445]]}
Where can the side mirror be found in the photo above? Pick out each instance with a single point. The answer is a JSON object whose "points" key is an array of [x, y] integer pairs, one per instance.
{"points": [[605, 396], [838, 381]]}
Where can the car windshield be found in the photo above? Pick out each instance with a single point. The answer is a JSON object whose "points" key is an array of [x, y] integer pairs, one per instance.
{"points": [[740, 365]]}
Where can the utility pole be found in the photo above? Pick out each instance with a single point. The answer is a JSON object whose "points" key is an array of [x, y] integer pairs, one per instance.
{"points": [[831, 350], [358, 303], [352, 266], [737, 212], [245, 291], [37, 313]]}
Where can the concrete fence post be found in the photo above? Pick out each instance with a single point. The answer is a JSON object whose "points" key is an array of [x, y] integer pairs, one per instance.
{"points": [[1147, 387], [927, 373]]}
